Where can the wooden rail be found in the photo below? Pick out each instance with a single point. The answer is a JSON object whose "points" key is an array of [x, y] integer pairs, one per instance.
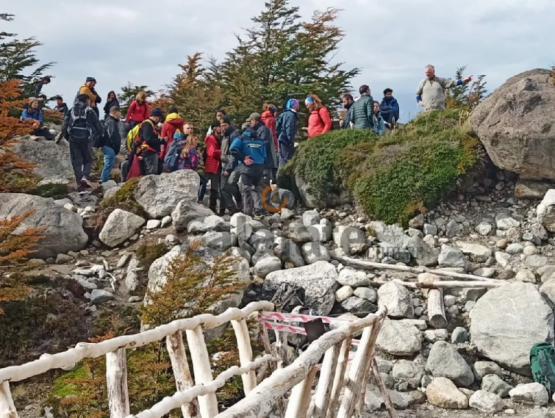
{"points": [[197, 398]]}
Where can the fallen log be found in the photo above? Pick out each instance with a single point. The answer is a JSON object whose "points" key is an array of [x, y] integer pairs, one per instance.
{"points": [[370, 265], [445, 285], [436, 309]]}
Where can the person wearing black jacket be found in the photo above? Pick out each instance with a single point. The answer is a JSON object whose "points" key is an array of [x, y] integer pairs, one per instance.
{"points": [[81, 126], [60, 105], [40, 84], [229, 186], [111, 101], [150, 141], [111, 143]]}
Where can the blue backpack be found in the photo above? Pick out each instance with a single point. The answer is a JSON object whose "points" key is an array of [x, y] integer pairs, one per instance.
{"points": [[174, 152]]}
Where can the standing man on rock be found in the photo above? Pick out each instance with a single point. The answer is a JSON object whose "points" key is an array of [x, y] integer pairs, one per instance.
{"points": [[348, 102], [213, 165], [80, 126], [229, 186], [431, 91], [88, 89], [112, 142], [286, 127], [361, 115]]}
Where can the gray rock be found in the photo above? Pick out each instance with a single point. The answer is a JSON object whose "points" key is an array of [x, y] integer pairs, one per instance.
{"points": [[359, 307], [132, 277], [159, 195], [349, 239], [459, 336], [50, 159], [486, 402], [536, 261], [444, 394], [508, 321], [484, 368], [343, 293], [399, 339], [119, 227], [99, 296], [353, 278], [110, 184], [266, 266], [187, 211], [63, 230], [424, 254], [314, 252], [476, 252], [287, 214], [123, 260], [409, 372], [547, 290], [513, 235], [218, 240], [531, 393], [320, 232], [63, 259], [502, 258], [239, 253], [311, 201], [525, 275], [318, 281], [280, 198], [262, 240], [445, 361], [515, 249], [452, 229], [430, 229], [86, 284], [451, 257], [366, 293], [243, 231], [539, 232], [530, 189], [397, 299], [288, 252], [484, 228], [207, 224], [540, 414], [519, 142], [299, 234], [494, 384], [311, 217], [108, 194], [417, 222]]}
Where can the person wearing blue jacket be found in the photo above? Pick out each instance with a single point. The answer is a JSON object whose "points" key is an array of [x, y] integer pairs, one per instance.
{"points": [[379, 123], [33, 113], [389, 107], [250, 151], [286, 128]]}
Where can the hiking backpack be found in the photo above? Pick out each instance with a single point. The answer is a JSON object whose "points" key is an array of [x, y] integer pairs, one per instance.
{"points": [[542, 365], [79, 128], [171, 160]]}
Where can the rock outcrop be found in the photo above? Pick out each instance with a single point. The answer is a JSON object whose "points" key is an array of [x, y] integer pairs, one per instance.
{"points": [[63, 229], [51, 159], [516, 124]]}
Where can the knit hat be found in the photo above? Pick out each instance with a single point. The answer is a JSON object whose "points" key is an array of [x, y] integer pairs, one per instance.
{"points": [[309, 100], [177, 135], [226, 119], [90, 79], [292, 104], [157, 112]]}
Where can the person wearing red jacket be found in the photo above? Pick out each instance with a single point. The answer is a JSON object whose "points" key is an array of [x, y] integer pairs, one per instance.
{"points": [[138, 112], [212, 164], [269, 119], [319, 120], [173, 123]]}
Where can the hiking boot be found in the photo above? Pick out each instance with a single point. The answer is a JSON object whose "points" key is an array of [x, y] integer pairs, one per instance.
{"points": [[86, 183]]}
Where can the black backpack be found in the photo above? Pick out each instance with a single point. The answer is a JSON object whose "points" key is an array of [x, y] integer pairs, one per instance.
{"points": [[79, 128]]}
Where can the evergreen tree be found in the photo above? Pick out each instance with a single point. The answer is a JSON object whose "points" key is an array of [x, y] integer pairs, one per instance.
{"points": [[18, 57], [468, 95]]}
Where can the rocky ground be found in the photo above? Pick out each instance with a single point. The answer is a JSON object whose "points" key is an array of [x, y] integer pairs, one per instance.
{"points": [[477, 359]]}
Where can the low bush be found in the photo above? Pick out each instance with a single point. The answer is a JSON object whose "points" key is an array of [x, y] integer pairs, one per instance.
{"points": [[394, 176], [55, 191]]}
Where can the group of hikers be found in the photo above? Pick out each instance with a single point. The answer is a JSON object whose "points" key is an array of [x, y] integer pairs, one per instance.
{"points": [[238, 163]]}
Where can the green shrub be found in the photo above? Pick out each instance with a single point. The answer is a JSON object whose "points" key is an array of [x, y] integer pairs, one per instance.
{"points": [[55, 191], [394, 176], [149, 253]]}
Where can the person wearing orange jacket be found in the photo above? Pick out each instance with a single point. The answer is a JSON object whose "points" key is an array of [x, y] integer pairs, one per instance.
{"points": [[213, 164], [269, 119], [319, 120], [173, 123]]}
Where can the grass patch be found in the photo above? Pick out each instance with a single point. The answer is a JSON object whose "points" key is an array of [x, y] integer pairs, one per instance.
{"points": [[395, 176], [149, 253], [64, 386]]}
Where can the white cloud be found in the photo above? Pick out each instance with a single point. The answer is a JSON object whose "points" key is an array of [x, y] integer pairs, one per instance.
{"points": [[143, 41]]}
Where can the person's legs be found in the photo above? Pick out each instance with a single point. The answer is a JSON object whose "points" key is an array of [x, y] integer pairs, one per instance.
{"points": [[150, 160], [109, 158], [233, 184], [44, 132], [227, 195], [87, 151], [261, 182], [124, 168], [76, 161], [246, 190], [211, 177], [202, 188], [286, 152]]}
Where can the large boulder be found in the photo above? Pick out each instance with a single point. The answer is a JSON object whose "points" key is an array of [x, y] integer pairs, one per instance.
{"points": [[119, 227], [50, 159], [319, 281], [515, 124], [187, 211], [312, 202], [399, 338], [507, 321], [63, 229], [160, 195], [445, 361]]}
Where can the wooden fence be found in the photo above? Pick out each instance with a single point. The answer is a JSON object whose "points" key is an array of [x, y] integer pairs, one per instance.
{"points": [[198, 398]]}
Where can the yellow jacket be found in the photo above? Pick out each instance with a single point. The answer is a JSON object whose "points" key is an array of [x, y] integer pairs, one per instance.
{"points": [[84, 89]]}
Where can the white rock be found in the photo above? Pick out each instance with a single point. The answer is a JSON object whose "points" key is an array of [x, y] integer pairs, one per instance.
{"points": [[397, 299], [531, 393], [502, 258], [484, 228], [166, 221], [366, 293], [311, 217], [444, 394], [505, 222], [488, 403], [314, 252], [266, 265], [343, 294], [477, 252], [399, 338], [287, 214], [119, 227], [153, 224], [353, 278]]}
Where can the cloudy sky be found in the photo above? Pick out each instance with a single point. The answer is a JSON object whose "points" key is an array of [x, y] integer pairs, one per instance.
{"points": [[390, 41]]}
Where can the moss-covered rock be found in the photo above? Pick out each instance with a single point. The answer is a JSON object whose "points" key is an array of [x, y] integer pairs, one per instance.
{"points": [[394, 176]]}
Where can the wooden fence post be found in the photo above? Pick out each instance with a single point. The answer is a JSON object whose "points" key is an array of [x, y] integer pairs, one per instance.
{"points": [[7, 407], [203, 371], [325, 383], [358, 370], [339, 377], [301, 397], [116, 383], [245, 353], [181, 372]]}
